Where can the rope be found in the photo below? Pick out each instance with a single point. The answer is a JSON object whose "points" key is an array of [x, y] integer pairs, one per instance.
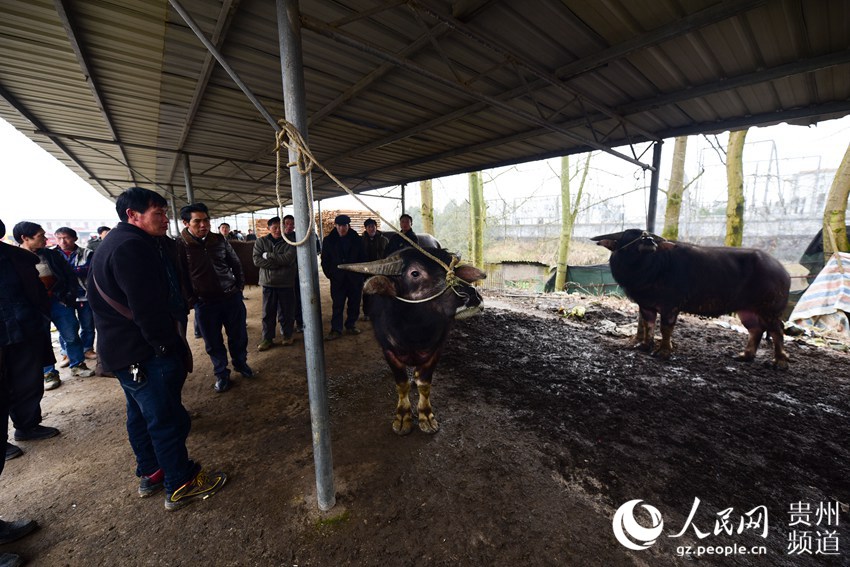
{"points": [[291, 138]]}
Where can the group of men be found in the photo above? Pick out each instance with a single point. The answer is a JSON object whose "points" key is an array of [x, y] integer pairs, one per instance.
{"points": [[344, 246], [137, 290]]}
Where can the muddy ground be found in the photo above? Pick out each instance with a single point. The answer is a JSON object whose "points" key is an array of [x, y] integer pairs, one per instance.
{"points": [[549, 425]]}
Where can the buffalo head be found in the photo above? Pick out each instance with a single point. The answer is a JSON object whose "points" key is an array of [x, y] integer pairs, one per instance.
{"points": [[412, 277], [642, 241]]}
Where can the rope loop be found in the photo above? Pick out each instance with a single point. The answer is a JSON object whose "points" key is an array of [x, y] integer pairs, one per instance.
{"points": [[289, 137]]}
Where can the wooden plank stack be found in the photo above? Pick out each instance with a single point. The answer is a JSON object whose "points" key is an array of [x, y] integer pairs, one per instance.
{"points": [[326, 222]]}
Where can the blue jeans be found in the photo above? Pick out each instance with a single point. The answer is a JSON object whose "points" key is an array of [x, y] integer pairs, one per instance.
{"points": [[231, 314], [86, 319], [157, 422], [65, 319]]}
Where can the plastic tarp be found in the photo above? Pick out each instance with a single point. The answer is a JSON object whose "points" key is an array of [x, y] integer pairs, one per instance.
{"points": [[826, 302], [595, 280]]}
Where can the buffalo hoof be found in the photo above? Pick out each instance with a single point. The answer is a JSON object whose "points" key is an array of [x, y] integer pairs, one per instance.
{"points": [[781, 364], [641, 346], [429, 425], [402, 427], [662, 353], [745, 357]]}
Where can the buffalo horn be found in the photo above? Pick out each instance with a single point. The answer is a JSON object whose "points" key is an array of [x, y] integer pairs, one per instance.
{"points": [[614, 236], [385, 267]]}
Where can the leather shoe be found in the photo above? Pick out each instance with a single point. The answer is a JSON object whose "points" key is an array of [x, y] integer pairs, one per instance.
{"points": [[244, 370], [13, 531], [36, 433], [223, 384], [12, 451]]}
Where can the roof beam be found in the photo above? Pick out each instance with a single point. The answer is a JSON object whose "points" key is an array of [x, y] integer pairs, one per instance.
{"points": [[82, 59], [29, 116], [323, 29]]}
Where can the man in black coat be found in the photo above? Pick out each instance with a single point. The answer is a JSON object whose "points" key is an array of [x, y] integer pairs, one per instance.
{"points": [[342, 246], [140, 314], [374, 248], [396, 242], [24, 349]]}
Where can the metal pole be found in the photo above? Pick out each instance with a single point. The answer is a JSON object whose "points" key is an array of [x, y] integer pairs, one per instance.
{"points": [[653, 187], [174, 216], [289, 31], [233, 75], [187, 179], [403, 193]]}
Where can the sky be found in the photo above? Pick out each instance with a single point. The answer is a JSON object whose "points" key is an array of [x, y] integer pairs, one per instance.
{"points": [[36, 186]]}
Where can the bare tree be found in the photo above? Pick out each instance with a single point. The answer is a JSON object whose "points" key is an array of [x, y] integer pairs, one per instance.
{"points": [[476, 218], [835, 210], [735, 185], [569, 211], [427, 193]]}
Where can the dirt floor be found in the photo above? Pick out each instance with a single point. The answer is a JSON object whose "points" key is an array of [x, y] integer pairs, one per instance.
{"points": [[549, 425]]}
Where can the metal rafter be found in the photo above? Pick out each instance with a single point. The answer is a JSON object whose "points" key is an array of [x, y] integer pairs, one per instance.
{"points": [[82, 59]]}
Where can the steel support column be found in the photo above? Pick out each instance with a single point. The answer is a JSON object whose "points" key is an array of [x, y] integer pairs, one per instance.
{"points": [[653, 187], [174, 216], [295, 109], [187, 178]]}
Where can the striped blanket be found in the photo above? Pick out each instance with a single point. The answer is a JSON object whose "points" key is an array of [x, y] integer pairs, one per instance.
{"points": [[828, 294]]}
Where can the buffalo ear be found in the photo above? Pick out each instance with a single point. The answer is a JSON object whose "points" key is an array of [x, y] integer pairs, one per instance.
{"points": [[469, 273], [666, 245], [379, 285], [608, 243]]}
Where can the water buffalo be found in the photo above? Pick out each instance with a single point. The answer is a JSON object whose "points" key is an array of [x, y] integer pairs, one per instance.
{"points": [[669, 277], [412, 309]]}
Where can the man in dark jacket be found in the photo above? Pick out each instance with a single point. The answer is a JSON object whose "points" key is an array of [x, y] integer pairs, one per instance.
{"points": [[215, 284], [342, 246], [24, 349], [374, 248], [135, 293], [396, 241], [63, 288], [278, 265]]}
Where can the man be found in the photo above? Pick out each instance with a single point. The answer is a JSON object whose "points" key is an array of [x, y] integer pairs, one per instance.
{"points": [[224, 230], [135, 293], [24, 347], [289, 233], [78, 258], [342, 246], [277, 262], [102, 231], [374, 248], [396, 241], [250, 237], [215, 281], [62, 288]]}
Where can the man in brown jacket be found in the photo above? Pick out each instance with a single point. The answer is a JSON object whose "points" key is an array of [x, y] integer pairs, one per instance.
{"points": [[215, 288]]}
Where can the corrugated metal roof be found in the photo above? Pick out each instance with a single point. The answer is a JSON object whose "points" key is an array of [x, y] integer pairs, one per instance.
{"points": [[399, 91]]}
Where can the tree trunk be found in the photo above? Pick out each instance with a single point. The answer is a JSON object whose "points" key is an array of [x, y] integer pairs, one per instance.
{"points": [[835, 210], [569, 212], [675, 191], [735, 183], [476, 219], [425, 188]]}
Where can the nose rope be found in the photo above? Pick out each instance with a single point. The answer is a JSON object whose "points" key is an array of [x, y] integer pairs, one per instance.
{"points": [[289, 136], [643, 235]]}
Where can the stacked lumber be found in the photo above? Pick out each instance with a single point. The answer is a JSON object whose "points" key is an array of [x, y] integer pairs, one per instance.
{"points": [[326, 222]]}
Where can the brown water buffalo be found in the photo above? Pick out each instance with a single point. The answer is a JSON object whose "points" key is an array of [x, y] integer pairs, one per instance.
{"points": [[666, 278], [412, 309]]}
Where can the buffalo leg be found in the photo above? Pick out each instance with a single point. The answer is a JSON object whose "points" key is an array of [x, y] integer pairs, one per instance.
{"points": [[755, 328], [403, 421], [777, 335], [427, 421], [646, 330], [668, 322]]}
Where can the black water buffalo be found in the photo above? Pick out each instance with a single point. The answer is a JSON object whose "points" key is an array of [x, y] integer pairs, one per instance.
{"points": [[669, 277], [412, 310]]}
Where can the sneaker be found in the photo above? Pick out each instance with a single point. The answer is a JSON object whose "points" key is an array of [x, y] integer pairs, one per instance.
{"points": [[265, 344], [36, 433], [203, 485], [13, 531], [64, 362], [12, 451], [333, 335], [91, 355], [352, 331], [287, 341], [223, 384], [151, 484], [52, 380], [244, 370], [82, 371]]}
